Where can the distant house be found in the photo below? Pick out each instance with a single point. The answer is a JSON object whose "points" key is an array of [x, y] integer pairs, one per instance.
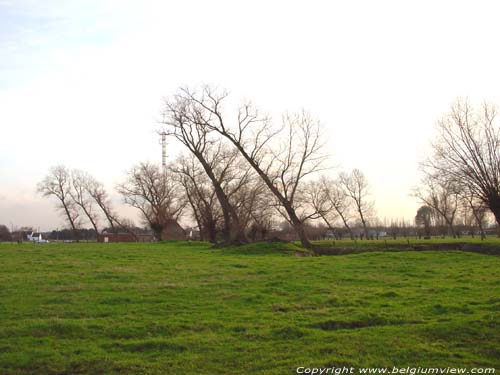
{"points": [[123, 237], [35, 237], [192, 233], [171, 231], [373, 233]]}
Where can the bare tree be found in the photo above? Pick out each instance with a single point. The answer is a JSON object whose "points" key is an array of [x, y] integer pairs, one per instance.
{"points": [[80, 196], [5, 234], [424, 218], [95, 192], [184, 120], [99, 194], [467, 149], [356, 187], [154, 192], [57, 183], [255, 206], [476, 207], [281, 156], [317, 194], [443, 196], [338, 200], [261, 214], [200, 194]]}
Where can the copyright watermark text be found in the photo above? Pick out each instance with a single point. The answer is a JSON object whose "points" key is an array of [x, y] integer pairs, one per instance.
{"points": [[394, 370]]}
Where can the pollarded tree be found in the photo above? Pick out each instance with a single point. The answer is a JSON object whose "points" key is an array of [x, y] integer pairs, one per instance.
{"points": [[424, 218], [443, 196], [467, 149], [155, 193]]}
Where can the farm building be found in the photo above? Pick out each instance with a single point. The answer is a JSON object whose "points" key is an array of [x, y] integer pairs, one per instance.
{"points": [[173, 231], [123, 237], [35, 237]]}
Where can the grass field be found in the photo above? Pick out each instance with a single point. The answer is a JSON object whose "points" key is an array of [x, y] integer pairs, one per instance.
{"points": [[179, 308]]}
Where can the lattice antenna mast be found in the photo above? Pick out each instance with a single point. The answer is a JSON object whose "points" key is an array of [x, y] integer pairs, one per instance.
{"points": [[163, 143]]}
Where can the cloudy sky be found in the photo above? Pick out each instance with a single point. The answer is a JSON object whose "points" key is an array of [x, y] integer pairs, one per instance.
{"points": [[81, 82]]}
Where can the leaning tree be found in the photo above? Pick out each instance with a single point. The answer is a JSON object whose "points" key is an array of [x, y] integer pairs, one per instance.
{"points": [[57, 183], [283, 155], [186, 121]]}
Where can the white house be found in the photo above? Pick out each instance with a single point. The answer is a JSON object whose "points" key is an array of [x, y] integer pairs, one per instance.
{"points": [[36, 237]]}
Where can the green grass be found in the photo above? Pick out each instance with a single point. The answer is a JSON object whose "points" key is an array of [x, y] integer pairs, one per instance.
{"points": [[490, 245], [489, 240], [178, 308]]}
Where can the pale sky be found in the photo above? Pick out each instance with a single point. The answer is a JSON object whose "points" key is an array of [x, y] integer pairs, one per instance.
{"points": [[81, 82]]}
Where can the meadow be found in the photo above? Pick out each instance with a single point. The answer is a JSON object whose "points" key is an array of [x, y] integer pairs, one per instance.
{"points": [[184, 308]]}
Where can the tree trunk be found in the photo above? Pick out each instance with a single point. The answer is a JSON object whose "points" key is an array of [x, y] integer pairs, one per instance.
{"points": [[157, 231], [363, 221], [344, 220], [212, 233], [233, 231], [327, 223], [427, 228], [496, 213], [296, 223], [197, 215], [71, 221], [89, 216], [298, 226], [452, 229], [494, 206]]}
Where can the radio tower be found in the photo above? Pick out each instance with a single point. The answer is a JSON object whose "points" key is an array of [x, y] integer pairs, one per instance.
{"points": [[163, 143]]}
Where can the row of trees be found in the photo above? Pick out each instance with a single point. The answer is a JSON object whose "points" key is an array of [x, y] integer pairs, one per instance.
{"points": [[253, 167], [462, 175], [242, 172], [237, 177], [81, 199], [163, 195]]}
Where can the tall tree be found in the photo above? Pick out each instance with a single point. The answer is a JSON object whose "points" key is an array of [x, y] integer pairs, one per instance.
{"points": [[96, 190], [184, 120], [356, 187], [200, 194], [443, 196], [282, 156], [80, 196], [317, 195], [338, 200], [467, 149], [476, 208], [57, 183], [155, 193], [5, 234], [424, 218]]}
